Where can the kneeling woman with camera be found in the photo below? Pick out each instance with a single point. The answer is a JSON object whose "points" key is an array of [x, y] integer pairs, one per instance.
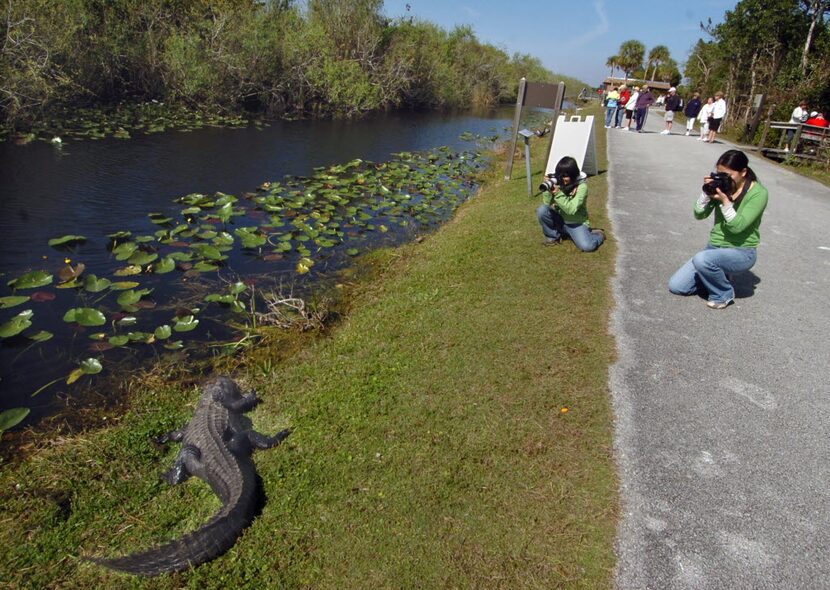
{"points": [[565, 208], [738, 200]]}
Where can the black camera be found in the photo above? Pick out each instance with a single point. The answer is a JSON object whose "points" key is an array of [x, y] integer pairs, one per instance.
{"points": [[549, 182], [720, 180]]}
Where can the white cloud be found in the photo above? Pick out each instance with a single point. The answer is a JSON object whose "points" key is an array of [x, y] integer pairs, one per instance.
{"points": [[599, 29]]}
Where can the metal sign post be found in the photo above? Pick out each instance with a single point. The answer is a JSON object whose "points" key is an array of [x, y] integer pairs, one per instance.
{"points": [[527, 134]]}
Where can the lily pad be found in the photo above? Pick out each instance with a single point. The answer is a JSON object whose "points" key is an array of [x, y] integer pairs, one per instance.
{"points": [[69, 272], [65, 240], [95, 285], [185, 324], [174, 345], [204, 266], [141, 258], [163, 332], [165, 265], [85, 316], [17, 324], [31, 280], [125, 250], [133, 269], [119, 340], [12, 300], [124, 285], [11, 418], [41, 336], [42, 296], [131, 296]]}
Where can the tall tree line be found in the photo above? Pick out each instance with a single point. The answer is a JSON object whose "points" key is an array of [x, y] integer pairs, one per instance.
{"points": [[326, 57], [779, 48]]}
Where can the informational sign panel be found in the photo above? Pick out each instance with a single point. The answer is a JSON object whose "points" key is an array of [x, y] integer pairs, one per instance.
{"points": [[538, 95], [574, 137]]}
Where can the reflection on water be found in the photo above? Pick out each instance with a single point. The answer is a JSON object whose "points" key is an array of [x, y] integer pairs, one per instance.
{"points": [[94, 188]]}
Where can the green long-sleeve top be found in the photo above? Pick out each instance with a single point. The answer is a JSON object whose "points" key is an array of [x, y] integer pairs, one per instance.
{"points": [[741, 229], [573, 208]]}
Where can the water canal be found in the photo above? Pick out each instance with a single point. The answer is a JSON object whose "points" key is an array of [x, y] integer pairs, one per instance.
{"points": [[170, 217]]}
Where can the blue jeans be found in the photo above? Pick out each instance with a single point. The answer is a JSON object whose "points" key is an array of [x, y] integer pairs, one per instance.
{"points": [[707, 270], [553, 226], [609, 115], [619, 116]]}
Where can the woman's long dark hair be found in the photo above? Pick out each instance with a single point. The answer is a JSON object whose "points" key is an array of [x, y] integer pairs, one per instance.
{"points": [[737, 160], [567, 166]]}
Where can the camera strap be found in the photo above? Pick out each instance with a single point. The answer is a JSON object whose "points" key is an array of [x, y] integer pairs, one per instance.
{"points": [[736, 201]]}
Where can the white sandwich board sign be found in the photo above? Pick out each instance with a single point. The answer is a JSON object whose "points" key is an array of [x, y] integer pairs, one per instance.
{"points": [[574, 137]]}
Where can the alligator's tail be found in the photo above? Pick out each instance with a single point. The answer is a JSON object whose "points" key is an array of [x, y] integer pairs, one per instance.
{"points": [[204, 544]]}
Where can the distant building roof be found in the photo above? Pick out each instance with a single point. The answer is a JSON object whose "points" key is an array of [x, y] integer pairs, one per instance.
{"points": [[636, 81]]}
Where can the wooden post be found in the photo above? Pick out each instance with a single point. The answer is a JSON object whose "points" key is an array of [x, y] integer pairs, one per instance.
{"points": [[763, 140], [520, 100]]}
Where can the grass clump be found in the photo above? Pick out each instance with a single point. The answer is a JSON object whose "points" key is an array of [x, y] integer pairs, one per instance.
{"points": [[454, 430]]}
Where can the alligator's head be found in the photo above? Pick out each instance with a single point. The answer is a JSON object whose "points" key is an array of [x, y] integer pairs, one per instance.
{"points": [[223, 389]]}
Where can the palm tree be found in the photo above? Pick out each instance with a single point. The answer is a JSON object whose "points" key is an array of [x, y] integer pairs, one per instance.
{"points": [[630, 56], [658, 55], [612, 63]]}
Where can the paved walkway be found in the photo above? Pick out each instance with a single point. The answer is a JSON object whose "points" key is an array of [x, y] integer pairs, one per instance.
{"points": [[723, 417]]}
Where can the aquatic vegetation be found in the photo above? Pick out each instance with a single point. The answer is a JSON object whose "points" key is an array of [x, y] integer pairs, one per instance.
{"points": [[174, 280], [122, 122]]}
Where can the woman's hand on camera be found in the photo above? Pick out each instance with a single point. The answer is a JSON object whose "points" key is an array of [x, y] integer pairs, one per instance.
{"points": [[721, 196]]}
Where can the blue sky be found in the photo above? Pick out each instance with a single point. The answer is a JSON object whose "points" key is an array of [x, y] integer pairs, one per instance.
{"points": [[572, 38]]}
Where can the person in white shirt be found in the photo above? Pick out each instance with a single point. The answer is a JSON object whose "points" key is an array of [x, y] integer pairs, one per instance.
{"points": [[800, 115], [703, 117], [629, 108], [718, 113]]}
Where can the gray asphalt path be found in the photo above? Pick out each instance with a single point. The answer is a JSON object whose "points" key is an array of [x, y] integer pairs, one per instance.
{"points": [[723, 417]]}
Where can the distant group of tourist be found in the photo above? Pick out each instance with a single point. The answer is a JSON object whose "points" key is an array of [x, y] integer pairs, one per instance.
{"points": [[634, 106]]}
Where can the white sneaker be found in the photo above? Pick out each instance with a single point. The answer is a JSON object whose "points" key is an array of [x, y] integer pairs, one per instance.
{"points": [[700, 139], [687, 134], [664, 132], [625, 129], [608, 126]]}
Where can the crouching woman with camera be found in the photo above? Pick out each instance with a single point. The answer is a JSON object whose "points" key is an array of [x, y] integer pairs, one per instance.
{"points": [[564, 208], [738, 201]]}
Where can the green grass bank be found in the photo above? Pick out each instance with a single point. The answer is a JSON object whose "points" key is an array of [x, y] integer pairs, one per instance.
{"points": [[454, 431]]}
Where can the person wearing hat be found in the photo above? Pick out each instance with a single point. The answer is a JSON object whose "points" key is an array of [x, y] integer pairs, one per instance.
{"points": [[629, 108], [673, 103], [625, 95], [644, 101], [817, 119], [691, 111]]}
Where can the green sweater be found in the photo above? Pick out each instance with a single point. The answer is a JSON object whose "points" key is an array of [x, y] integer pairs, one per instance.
{"points": [[742, 230], [574, 208]]}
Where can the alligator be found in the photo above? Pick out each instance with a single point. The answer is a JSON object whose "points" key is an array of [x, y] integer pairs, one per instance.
{"points": [[216, 447]]}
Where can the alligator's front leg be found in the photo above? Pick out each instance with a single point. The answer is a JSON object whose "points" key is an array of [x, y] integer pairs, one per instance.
{"points": [[262, 441], [188, 462], [242, 442], [243, 404]]}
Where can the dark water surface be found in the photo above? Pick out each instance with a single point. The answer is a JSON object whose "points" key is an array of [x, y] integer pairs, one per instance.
{"points": [[94, 188]]}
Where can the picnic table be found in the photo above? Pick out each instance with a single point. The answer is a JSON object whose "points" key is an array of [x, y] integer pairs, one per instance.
{"points": [[810, 142]]}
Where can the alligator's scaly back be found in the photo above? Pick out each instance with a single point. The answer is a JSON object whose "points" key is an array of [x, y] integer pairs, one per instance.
{"points": [[216, 447]]}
